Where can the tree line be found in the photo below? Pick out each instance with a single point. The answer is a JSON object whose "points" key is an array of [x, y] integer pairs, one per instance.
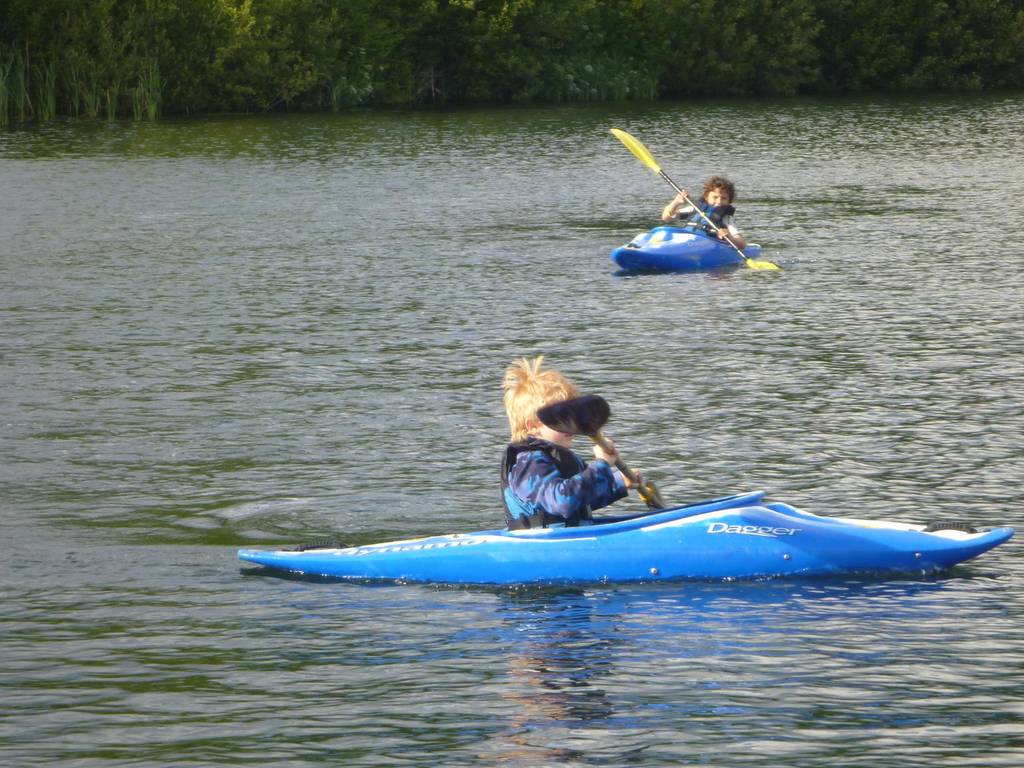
{"points": [[143, 58]]}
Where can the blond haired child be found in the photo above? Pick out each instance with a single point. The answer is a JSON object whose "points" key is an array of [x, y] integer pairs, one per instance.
{"points": [[542, 481]]}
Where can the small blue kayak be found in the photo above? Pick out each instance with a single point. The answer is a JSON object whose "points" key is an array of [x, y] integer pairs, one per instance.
{"points": [[735, 537], [677, 249]]}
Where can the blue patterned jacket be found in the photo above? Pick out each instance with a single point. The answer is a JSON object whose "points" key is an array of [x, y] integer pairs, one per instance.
{"points": [[543, 483]]}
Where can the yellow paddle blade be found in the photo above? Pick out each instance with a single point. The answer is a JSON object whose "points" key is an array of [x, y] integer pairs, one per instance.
{"points": [[633, 145], [649, 495], [765, 265]]}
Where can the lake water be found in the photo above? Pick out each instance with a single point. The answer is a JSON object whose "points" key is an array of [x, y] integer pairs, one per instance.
{"points": [[244, 331]]}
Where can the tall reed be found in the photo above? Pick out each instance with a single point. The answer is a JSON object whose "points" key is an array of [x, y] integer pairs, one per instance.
{"points": [[90, 95], [110, 102], [73, 91], [138, 102], [20, 99], [46, 83], [147, 96], [6, 64]]}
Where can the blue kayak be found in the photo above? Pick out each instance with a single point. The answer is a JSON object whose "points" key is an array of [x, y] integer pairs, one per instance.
{"points": [[675, 249], [735, 537]]}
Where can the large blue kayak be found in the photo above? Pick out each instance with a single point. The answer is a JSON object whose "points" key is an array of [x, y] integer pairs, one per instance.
{"points": [[675, 249], [735, 537]]}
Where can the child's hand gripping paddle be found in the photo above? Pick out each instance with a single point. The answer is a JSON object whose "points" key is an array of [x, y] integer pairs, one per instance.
{"points": [[586, 416]]}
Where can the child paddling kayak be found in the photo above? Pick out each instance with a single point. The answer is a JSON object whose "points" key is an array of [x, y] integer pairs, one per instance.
{"points": [[542, 481], [715, 205]]}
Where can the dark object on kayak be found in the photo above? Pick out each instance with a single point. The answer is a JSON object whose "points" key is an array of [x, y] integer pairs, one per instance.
{"points": [[319, 544], [950, 525]]}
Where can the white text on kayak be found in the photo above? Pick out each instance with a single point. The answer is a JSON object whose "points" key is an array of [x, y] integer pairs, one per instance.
{"points": [[752, 530]]}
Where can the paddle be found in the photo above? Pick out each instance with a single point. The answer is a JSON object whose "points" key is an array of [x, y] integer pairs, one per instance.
{"points": [[586, 415], [644, 156]]}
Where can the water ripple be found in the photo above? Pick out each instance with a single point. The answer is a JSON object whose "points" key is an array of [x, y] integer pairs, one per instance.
{"points": [[276, 329]]}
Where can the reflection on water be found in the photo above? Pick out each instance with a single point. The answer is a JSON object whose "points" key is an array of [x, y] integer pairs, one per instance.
{"points": [[599, 675], [559, 650]]}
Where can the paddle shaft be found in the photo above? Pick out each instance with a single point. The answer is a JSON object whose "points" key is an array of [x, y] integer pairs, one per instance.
{"points": [[645, 490]]}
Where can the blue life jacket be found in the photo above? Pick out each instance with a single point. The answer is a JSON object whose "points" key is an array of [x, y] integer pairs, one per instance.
{"points": [[716, 213], [568, 464]]}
